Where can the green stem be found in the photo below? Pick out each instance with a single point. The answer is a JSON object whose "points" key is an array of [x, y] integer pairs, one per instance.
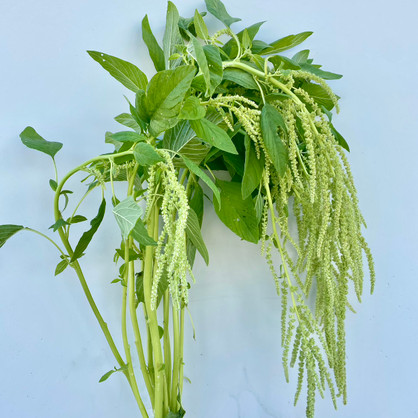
{"points": [[46, 237], [181, 377], [167, 347], [126, 345], [176, 359], [152, 319]]}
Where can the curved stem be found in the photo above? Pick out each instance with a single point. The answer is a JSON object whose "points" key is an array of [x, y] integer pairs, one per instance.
{"points": [[46, 237]]}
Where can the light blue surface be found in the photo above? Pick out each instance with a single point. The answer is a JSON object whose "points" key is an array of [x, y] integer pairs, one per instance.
{"points": [[51, 348]]}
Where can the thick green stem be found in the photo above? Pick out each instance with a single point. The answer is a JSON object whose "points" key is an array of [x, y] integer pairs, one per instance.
{"points": [[181, 377], [126, 345], [167, 347], [152, 319], [176, 360]]}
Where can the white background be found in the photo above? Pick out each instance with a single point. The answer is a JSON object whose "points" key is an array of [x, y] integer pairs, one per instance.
{"points": [[51, 349]]}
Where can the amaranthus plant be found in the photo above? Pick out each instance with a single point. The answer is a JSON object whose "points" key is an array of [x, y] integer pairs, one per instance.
{"points": [[225, 102]]}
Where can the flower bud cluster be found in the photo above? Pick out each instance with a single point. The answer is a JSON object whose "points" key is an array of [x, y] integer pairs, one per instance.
{"points": [[170, 254]]}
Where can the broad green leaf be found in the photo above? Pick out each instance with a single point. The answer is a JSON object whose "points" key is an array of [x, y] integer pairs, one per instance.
{"points": [[165, 94], [196, 203], [195, 150], [178, 136], [284, 63], [237, 214], [172, 35], [88, 235], [127, 213], [319, 94], [234, 163], [76, 219], [195, 169], [246, 40], [154, 49], [61, 266], [301, 57], [271, 120], [326, 75], [140, 234], [240, 77], [231, 49], [127, 136], [213, 135], [33, 140], [194, 234], [126, 73], [253, 169], [192, 109], [259, 46], [217, 9], [126, 119], [58, 224], [145, 154], [7, 231], [200, 26], [339, 138], [285, 43], [141, 107]]}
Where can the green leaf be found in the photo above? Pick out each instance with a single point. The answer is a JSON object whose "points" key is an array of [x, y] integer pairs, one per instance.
{"points": [[145, 154], [214, 61], [285, 43], [237, 214], [201, 61], [126, 119], [217, 9], [76, 219], [127, 213], [58, 224], [284, 63], [53, 184], [194, 234], [326, 75], [7, 231], [178, 136], [253, 169], [339, 138], [301, 57], [231, 48], [165, 93], [195, 169], [128, 136], [271, 120], [213, 135], [88, 235], [195, 150], [154, 49], [319, 94], [240, 77], [192, 109], [110, 372], [140, 234], [33, 140], [61, 266], [200, 26], [172, 35], [126, 73]]}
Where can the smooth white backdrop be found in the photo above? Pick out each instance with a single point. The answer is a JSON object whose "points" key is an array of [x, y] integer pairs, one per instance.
{"points": [[51, 348]]}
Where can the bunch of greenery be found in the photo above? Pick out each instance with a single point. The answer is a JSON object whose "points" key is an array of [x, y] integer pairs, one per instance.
{"points": [[223, 102]]}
